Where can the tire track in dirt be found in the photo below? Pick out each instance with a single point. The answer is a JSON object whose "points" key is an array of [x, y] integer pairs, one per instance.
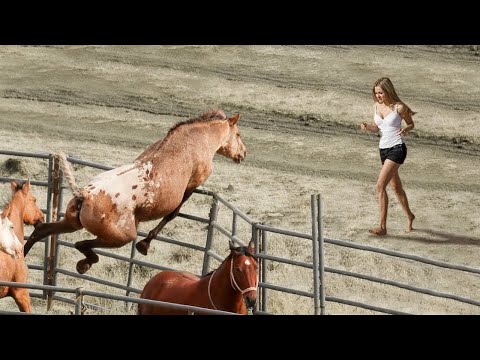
{"points": [[266, 120], [252, 118], [297, 80]]}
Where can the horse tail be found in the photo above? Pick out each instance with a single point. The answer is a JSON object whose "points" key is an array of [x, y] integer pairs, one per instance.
{"points": [[68, 173]]}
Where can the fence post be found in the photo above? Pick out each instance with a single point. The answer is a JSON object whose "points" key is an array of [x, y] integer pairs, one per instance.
{"points": [[79, 301], [48, 219], [321, 249], [255, 236], [53, 238], [57, 245], [263, 291], [208, 245], [130, 272], [316, 274]]}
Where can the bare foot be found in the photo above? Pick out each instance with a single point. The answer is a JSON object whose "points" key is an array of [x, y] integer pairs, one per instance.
{"points": [[378, 231], [410, 222]]}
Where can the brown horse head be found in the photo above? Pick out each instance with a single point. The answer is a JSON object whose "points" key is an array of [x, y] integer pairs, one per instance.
{"points": [[32, 215], [244, 272], [233, 146]]}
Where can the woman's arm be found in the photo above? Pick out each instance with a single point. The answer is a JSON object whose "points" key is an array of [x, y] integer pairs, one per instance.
{"points": [[402, 110], [370, 127]]}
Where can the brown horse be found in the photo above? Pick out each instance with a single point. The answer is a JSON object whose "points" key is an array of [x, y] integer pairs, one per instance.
{"points": [[22, 209], [155, 186], [231, 287]]}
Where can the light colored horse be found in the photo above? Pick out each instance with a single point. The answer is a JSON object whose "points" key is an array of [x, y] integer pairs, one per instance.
{"points": [[9, 242], [22, 209], [231, 287], [155, 186]]}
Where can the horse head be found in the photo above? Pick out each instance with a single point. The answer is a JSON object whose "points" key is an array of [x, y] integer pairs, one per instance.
{"points": [[233, 147], [244, 272], [32, 214], [9, 242]]}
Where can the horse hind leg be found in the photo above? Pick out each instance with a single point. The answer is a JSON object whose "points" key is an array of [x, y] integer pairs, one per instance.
{"points": [[43, 230], [86, 246]]}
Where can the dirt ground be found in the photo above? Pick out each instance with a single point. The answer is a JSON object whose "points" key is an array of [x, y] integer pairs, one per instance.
{"points": [[300, 109]]}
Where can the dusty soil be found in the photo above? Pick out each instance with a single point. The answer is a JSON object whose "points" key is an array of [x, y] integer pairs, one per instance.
{"points": [[300, 109]]}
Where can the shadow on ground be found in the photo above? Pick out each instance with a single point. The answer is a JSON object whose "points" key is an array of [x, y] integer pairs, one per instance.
{"points": [[437, 237]]}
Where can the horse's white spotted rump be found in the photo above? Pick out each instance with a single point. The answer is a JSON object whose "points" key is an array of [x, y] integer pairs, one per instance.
{"points": [[127, 186]]}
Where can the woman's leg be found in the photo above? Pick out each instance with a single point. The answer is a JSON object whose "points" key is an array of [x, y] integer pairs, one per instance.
{"points": [[389, 169], [397, 186]]}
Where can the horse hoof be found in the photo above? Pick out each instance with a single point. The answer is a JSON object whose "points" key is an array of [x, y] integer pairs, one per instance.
{"points": [[142, 247], [83, 266]]}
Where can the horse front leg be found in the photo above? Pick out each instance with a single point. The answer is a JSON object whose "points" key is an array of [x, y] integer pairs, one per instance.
{"points": [[22, 299], [143, 245]]}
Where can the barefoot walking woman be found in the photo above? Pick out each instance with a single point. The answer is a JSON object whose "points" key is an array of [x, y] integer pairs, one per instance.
{"points": [[389, 112]]}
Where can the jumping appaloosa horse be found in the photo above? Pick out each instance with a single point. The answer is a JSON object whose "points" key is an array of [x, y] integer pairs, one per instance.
{"points": [[22, 209], [155, 186], [231, 287]]}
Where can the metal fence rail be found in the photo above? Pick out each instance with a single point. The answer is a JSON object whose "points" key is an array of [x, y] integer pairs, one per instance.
{"points": [[80, 304]]}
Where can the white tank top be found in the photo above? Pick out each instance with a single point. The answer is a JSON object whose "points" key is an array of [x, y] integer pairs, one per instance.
{"points": [[390, 127]]}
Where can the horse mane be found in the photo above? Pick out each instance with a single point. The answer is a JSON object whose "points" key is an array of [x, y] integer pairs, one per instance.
{"points": [[210, 115], [213, 114], [241, 249]]}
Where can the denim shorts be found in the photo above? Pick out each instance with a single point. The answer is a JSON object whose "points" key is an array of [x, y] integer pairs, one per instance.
{"points": [[397, 153]]}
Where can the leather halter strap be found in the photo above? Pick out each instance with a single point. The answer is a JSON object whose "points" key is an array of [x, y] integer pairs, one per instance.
{"points": [[233, 283]]}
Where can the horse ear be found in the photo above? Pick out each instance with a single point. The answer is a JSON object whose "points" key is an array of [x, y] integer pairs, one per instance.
{"points": [[233, 120], [231, 244], [26, 187], [251, 246], [14, 185]]}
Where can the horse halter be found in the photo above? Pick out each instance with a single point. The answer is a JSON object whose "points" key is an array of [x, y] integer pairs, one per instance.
{"points": [[232, 282]]}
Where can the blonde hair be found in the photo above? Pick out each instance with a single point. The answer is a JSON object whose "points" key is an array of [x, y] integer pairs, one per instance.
{"points": [[387, 86]]}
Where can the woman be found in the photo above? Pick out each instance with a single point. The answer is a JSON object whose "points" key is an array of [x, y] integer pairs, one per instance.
{"points": [[389, 112]]}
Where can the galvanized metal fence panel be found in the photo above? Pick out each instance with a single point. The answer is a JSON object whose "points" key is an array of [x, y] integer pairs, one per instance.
{"points": [[258, 232]]}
